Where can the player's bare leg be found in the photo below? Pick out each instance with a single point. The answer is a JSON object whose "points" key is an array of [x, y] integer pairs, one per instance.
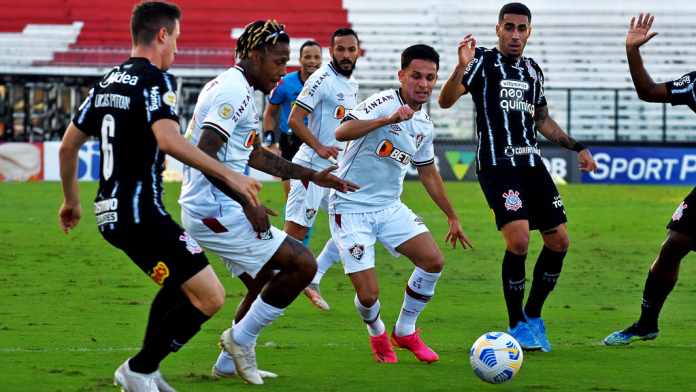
{"points": [[426, 256], [296, 267], [324, 261], [368, 306], [662, 278]]}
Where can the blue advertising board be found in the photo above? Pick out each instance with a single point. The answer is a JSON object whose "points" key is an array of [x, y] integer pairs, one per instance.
{"points": [[643, 165]]}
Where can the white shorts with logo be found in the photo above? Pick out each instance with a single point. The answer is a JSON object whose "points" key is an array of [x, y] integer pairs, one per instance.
{"points": [[356, 234], [232, 237], [304, 201]]}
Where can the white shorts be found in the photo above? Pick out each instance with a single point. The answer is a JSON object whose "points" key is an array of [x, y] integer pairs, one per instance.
{"points": [[232, 237], [304, 201], [356, 234]]}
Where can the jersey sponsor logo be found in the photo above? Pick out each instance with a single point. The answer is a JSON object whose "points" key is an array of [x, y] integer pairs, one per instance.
{"points": [[340, 112], [340, 97], [242, 108], [357, 251], [473, 62], [120, 78], [419, 220], [107, 217], [169, 98], [191, 244], [511, 151], [512, 96], [557, 202], [249, 141], [512, 200], [386, 149], [311, 90], [395, 129], [107, 205], [265, 236], [367, 108], [160, 273], [514, 84], [225, 111], [310, 213], [115, 101], [154, 99], [684, 80], [679, 212]]}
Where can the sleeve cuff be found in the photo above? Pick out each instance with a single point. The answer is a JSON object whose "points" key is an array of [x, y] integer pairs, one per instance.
{"points": [[218, 129]]}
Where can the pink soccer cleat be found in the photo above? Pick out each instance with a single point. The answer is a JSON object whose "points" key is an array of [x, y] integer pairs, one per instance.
{"points": [[415, 344], [382, 350]]}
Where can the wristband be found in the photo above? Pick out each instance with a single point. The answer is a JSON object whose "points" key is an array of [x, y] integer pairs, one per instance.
{"points": [[577, 147], [269, 138]]}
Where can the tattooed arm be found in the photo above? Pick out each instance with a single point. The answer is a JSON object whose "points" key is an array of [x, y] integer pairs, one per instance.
{"points": [[552, 131]]}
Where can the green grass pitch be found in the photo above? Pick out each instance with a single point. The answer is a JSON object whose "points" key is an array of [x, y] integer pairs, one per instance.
{"points": [[72, 308]]}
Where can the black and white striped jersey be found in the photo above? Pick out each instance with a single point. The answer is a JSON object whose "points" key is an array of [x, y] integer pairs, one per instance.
{"points": [[120, 111], [506, 92]]}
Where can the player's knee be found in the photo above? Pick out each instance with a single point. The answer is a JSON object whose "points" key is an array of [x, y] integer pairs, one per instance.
{"points": [[560, 244], [434, 263], [675, 247], [519, 244], [368, 297], [306, 266]]}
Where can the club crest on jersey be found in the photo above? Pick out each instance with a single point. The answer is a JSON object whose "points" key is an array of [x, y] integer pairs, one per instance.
{"points": [[512, 200], [225, 111], [159, 273], [386, 149], [419, 139], [265, 236], [340, 112], [191, 244], [679, 212], [249, 141], [310, 213], [357, 251]]}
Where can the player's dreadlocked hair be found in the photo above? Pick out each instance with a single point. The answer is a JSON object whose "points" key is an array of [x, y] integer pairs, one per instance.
{"points": [[260, 34]]}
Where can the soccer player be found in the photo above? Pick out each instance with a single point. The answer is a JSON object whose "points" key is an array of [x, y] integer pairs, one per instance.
{"points": [[283, 97], [681, 230], [224, 125], [328, 95], [132, 110], [387, 132], [508, 91]]}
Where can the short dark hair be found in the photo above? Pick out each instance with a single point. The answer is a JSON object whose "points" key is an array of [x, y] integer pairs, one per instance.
{"points": [[342, 32], [149, 17], [309, 43], [260, 34], [516, 9], [419, 52]]}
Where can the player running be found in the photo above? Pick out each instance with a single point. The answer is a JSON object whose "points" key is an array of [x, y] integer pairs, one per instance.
{"points": [[224, 125], [681, 230], [508, 91], [132, 110], [328, 95], [386, 133], [283, 98]]}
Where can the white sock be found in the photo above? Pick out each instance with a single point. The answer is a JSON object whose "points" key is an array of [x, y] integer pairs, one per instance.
{"points": [[225, 363], [422, 283], [370, 316], [260, 314], [328, 256]]}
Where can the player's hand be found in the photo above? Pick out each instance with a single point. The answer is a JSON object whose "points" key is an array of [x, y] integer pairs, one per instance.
{"points": [[466, 50], [456, 233], [327, 180], [274, 149], [69, 215], [247, 186], [586, 161], [328, 152], [258, 217], [639, 30], [403, 113]]}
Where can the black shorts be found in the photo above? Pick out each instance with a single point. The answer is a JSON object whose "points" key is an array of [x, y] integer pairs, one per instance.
{"points": [[684, 217], [161, 248], [289, 144], [526, 193]]}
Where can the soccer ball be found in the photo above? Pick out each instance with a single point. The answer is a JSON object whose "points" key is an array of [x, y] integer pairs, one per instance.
{"points": [[496, 357]]}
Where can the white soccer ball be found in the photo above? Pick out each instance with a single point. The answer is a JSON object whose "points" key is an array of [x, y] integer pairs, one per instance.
{"points": [[496, 357]]}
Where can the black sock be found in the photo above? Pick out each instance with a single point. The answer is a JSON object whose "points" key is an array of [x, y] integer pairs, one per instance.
{"points": [[654, 295], [546, 273], [513, 285], [173, 321]]}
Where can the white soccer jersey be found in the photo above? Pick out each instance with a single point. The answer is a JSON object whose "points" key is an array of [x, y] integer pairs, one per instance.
{"points": [[379, 160], [328, 96], [227, 106]]}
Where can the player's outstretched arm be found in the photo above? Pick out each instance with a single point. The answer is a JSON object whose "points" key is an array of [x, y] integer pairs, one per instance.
{"points": [[264, 160], [70, 211], [548, 127], [352, 128], [453, 87], [433, 184], [638, 34], [296, 122], [170, 141]]}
